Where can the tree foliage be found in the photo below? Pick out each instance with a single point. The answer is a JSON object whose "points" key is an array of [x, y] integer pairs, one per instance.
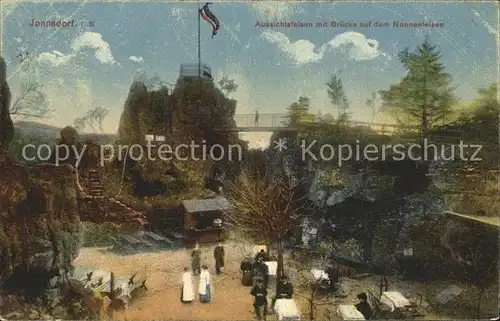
{"points": [[338, 98], [424, 96], [227, 85], [298, 110]]}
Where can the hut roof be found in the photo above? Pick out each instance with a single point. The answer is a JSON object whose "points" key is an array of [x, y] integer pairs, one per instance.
{"points": [[485, 220], [206, 205]]}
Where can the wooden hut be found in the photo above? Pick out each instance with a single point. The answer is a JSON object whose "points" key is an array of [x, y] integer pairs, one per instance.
{"points": [[204, 219]]}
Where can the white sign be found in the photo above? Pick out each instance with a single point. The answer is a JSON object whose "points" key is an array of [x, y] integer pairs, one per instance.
{"points": [[408, 252]]}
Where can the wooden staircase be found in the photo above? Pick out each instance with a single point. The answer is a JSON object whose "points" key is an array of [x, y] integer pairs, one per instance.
{"points": [[95, 207], [95, 186]]}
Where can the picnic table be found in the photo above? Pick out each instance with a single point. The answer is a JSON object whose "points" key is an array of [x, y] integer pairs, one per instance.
{"points": [[394, 300], [349, 312], [286, 309], [272, 266], [319, 275]]}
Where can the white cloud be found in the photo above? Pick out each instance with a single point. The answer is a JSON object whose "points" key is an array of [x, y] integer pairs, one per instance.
{"points": [[54, 58], [271, 10], [356, 46], [94, 41], [138, 60], [91, 40]]}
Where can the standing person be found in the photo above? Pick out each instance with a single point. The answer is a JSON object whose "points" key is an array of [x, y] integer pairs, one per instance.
{"points": [[187, 293], [261, 272], [246, 269], [363, 306], [260, 303], [256, 118], [196, 259], [205, 286], [219, 258]]}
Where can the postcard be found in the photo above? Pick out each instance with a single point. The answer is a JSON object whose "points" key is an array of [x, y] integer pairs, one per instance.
{"points": [[249, 160]]}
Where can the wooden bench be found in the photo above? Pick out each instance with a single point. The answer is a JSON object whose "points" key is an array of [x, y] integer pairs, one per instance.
{"points": [[134, 241], [177, 236], [162, 241]]}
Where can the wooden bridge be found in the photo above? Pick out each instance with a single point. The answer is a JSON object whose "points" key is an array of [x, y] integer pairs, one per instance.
{"points": [[280, 123]]}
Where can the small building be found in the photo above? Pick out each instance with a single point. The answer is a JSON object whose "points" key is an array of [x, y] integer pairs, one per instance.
{"points": [[204, 219]]}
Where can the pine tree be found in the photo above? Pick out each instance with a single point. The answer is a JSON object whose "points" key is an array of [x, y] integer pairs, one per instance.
{"points": [[336, 93], [424, 96], [298, 110]]}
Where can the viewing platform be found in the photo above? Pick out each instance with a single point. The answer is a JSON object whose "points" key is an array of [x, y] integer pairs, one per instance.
{"points": [[195, 71]]}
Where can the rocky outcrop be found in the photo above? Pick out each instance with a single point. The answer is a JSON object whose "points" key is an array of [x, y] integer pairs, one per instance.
{"points": [[189, 113], [40, 230], [6, 125]]}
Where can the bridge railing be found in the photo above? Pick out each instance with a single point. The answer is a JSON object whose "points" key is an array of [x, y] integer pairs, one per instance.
{"points": [[282, 120], [262, 120]]}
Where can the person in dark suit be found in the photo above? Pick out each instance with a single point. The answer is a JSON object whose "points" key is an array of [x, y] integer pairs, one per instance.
{"points": [[260, 303], [363, 306], [219, 258], [246, 269], [261, 271]]}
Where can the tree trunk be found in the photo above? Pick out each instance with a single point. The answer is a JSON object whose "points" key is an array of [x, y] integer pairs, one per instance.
{"points": [[312, 315], [279, 270], [480, 291]]}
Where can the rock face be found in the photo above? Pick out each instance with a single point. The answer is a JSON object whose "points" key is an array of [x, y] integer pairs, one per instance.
{"points": [[6, 125], [190, 112], [40, 229]]}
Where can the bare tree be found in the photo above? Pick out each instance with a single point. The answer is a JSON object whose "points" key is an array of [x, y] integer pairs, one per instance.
{"points": [[31, 100], [268, 209], [313, 284], [93, 118]]}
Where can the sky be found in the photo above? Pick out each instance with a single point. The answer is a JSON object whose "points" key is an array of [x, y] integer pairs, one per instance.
{"points": [[85, 66]]}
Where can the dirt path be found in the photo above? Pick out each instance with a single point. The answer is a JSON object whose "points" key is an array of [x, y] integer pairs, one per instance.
{"points": [[231, 300]]}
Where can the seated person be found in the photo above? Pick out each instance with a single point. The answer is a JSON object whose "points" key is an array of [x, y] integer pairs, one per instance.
{"points": [[363, 306], [246, 264], [262, 255], [285, 290], [333, 277]]}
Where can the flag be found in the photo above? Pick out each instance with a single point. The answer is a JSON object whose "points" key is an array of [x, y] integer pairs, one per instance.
{"points": [[207, 15], [207, 74]]}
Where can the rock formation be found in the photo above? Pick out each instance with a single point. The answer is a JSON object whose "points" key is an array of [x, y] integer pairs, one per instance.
{"points": [[190, 112], [6, 125], [40, 229]]}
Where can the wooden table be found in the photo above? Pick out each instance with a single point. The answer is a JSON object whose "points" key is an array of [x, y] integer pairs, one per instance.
{"points": [[349, 312], [286, 309], [319, 275], [272, 266], [394, 300]]}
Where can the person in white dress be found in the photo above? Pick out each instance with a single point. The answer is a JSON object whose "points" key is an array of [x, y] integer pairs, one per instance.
{"points": [[205, 286], [187, 292]]}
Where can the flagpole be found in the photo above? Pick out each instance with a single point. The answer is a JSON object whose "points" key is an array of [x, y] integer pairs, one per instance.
{"points": [[199, 46]]}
